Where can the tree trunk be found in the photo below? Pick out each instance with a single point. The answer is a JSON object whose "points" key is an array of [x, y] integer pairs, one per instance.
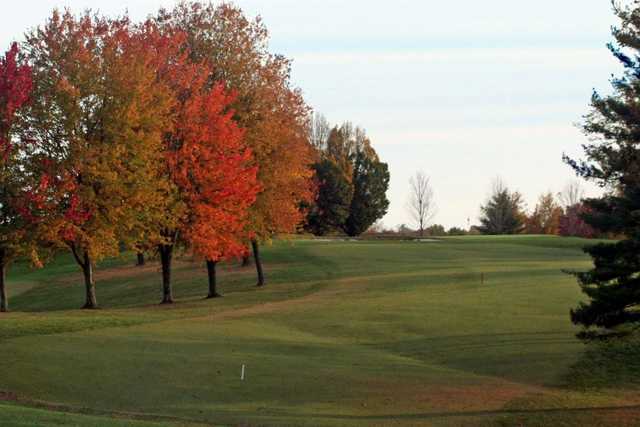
{"points": [[4, 303], [245, 261], [166, 254], [140, 261], [211, 273], [89, 283], [256, 257]]}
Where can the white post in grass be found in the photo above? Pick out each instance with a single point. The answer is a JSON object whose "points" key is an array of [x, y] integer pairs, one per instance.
{"points": [[242, 374]]}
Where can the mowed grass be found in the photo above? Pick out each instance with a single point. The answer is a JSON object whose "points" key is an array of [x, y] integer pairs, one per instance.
{"points": [[345, 334]]}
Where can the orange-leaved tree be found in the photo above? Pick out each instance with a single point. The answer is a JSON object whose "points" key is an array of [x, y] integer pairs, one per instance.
{"points": [[95, 125], [214, 172], [15, 89], [273, 114], [209, 166]]}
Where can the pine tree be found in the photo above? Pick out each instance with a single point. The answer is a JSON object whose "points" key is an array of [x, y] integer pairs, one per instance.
{"points": [[612, 159], [502, 214]]}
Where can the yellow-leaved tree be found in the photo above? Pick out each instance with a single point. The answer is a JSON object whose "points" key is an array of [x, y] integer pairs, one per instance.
{"points": [[95, 125]]}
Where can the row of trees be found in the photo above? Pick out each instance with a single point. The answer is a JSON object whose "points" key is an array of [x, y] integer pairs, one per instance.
{"points": [[182, 132], [504, 212], [562, 214]]}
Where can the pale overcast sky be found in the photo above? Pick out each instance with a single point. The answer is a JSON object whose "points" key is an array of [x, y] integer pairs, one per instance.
{"points": [[464, 90]]}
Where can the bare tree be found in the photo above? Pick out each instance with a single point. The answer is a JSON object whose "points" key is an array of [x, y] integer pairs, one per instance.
{"points": [[571, 195], [319, 129], [421, 204]]}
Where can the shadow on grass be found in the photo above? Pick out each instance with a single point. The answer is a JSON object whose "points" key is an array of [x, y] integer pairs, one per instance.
{"points": [[612, 362], [428, 415], [537, 358]]}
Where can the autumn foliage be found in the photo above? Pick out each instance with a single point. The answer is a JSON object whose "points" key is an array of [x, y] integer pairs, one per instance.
{"points": [[206, 163], [180, 133], [15, 89], [95, 128], [274, 115], [214, 171]]}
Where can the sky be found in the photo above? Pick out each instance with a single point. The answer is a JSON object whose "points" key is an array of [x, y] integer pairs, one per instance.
{"points": [[463, 90]]}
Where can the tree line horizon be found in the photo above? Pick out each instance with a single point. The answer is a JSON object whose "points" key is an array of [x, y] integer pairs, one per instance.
{"points": [[503, 213]]}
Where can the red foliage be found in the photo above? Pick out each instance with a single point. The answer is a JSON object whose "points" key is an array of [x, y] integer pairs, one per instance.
{"points": [[572, 224], [211, 165], [55, 192], [15, 86]]}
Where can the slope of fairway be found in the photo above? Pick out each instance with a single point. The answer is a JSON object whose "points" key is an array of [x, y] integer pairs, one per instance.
{"points": [[465, 331]]}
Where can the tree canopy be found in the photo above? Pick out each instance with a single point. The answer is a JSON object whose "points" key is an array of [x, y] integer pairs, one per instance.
{"points": [[351, 180], [95, 126]]}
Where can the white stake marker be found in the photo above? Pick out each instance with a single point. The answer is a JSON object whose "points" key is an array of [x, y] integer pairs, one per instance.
{"points": [[242, 374]]}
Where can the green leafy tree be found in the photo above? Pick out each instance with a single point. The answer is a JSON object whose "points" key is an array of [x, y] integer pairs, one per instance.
{"points": [[612, 159], [369, 202], [456, 231], [331, 207], [503, 212], [345, 153]]}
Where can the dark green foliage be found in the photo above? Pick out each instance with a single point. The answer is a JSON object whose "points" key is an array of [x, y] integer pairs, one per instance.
{"points": [[503, 213], [352, 181], [435, 230], [613, 161], [606, 363], [456, 231], [369, 203], [332, 204]]}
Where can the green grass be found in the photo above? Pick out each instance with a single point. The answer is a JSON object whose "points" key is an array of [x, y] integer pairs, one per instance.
{"points": [[17, 416], [346, 333]]}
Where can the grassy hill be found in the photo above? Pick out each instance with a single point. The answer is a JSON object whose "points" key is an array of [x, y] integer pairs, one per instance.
{"points": [[345, 334]]}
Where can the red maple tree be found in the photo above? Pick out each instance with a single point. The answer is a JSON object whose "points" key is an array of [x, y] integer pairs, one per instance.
{"points": [[211, 171], [15, 88]]}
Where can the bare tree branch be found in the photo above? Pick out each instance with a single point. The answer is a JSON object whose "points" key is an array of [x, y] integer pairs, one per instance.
{"points": [[421, 204], [571, 195]]}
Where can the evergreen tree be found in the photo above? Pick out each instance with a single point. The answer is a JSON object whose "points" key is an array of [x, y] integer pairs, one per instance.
{"points": [[503, 212], [612, 159], [369, 202]]}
